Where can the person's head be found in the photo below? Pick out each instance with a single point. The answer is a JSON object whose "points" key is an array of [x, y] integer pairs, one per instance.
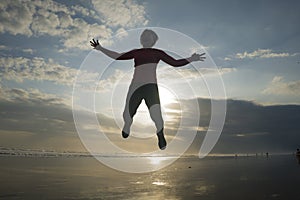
{"points": [[148, 38]]}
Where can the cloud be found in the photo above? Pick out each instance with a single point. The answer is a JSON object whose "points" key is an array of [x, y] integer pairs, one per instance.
{"points": [[31, 96], [249, 127], [164, 73], [38, 18], [51, 126], [15, 17], [28, 50], [37, 68], [5, 51], [252, 128], [227, 58], [61, 21], [261, 53], [169, 73], [121, 13], [108, 83], [219, 71], [84, 11], [81, 32], [279, 87], [44, 125], [250, 134]]}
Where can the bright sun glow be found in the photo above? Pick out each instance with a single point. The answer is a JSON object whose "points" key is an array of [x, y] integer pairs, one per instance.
{"points": [[143, 116], [166, 97]]}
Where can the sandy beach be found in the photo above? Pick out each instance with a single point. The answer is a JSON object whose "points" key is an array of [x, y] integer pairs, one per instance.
{"points": [[276, 177]]}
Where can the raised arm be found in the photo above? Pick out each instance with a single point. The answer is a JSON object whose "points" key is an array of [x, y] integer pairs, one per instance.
{"points": [[181, 62], [109, 53]]}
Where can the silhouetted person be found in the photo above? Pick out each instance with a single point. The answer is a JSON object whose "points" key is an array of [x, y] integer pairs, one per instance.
{"points": [[298, 156], [144, 83]]}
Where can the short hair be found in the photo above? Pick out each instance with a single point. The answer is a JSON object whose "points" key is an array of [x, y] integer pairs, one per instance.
{"points": [[144, 39]]}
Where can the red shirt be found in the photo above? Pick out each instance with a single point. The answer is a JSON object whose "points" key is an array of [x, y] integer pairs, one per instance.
{"points": [[149, 55]]}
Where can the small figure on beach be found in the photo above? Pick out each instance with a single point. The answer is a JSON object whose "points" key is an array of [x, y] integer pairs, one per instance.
{"points": [[298, 156], [267, 154], [144, 83]]}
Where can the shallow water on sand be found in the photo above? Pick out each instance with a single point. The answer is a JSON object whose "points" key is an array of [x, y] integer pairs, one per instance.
{"points": [[277, 177]]}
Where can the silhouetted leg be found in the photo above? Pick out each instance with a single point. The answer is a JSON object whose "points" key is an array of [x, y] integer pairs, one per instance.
{"points": [[156, 116], [153, 103], [155, 113], [133, 101]]}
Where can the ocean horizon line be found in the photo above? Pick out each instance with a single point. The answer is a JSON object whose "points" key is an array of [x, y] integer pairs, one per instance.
{"points": [[5, 151]]}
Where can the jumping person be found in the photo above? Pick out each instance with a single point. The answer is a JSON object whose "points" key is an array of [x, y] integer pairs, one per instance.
{"points": [[144, 83]]}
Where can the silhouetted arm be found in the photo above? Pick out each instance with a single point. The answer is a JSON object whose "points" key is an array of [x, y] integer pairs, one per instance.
{"points": [[181, 62], [109, 53]]}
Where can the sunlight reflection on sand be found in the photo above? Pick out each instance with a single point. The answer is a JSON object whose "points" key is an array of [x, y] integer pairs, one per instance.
{"points": [[187, 178], [157, 160]]}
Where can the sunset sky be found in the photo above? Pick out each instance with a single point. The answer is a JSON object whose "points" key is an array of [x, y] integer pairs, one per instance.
{"points": [[255, 45]]}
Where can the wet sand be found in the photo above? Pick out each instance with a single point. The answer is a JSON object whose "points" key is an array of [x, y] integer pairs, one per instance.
{"points": [[277, 177]]}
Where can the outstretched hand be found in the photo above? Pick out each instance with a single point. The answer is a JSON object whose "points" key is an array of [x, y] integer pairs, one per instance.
{"points": [[198, 57], [94, 43]]}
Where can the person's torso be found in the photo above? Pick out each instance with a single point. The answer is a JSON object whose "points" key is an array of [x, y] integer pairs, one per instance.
{"points": [[145, 63]]}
